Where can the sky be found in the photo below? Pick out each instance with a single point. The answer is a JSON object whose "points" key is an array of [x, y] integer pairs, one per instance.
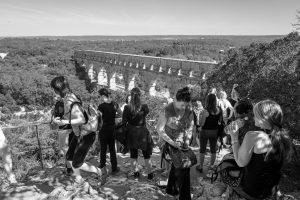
{"points": [[146, 17]]}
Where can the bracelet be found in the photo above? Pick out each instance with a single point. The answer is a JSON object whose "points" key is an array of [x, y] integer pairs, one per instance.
{"points": [[234, 142]]}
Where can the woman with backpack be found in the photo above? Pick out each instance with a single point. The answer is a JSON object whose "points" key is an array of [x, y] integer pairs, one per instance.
{"points": [[63, 133], [262, 153], [74, 116], [138, 136], [211, 117], [108, 110]]}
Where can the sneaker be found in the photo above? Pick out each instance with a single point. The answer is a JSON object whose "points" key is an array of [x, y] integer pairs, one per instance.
{"points": [[150, 176], [76, 185], [12, 179], [114, 172], [134, 174]]}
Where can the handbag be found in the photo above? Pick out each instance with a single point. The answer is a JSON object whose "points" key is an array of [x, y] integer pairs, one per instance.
{"points": [[120, 134], [230, 173], [181, 158]]}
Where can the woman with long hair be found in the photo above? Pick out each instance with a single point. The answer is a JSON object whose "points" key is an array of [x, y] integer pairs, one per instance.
{"points": [[138, 136], [175, 126], [262, 153], [209, 123]]}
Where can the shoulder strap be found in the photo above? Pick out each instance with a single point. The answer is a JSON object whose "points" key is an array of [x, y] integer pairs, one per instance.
{"points": [[80, 107]]}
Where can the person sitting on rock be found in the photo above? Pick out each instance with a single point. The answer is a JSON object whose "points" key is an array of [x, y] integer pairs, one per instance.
{"points": [[6, 157], [261, 153], [79, 146]]}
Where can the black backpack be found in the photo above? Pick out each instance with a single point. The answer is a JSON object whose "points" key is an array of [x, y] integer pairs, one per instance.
{"points": [[228, 170]]}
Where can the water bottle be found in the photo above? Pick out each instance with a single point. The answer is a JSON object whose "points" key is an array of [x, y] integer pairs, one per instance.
{"points": [[239, 122]]}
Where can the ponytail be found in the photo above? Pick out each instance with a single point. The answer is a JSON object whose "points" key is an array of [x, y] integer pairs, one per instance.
{"points": [[135, 101], [270, 112], [281, 149]]}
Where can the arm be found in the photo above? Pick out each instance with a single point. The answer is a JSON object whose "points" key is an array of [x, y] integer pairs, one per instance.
{"points": [[125, 115], [242, 153], [79, 117], [230, 108], [119, 111], [160, 127], [203, 118], [189, 132]]}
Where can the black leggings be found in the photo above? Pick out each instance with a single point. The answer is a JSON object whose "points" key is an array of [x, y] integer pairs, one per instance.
{"points": [[179, 183], [79, 148], [134, 154], [212, 136], [106, 139]]}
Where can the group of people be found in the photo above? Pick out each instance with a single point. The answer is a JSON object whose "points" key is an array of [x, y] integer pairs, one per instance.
{"points": [[259, 143]]}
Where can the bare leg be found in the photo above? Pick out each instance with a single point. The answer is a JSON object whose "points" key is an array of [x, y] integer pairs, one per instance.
{"points": [[134, 164], [213, 159], [8, 165], [148, 165], [202, 156]]}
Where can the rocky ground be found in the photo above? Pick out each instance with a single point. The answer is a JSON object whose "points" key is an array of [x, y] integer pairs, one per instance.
{"points": [[52, 184]]}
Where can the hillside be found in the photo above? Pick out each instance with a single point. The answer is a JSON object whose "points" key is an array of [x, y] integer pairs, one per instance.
{"points": [[266, 70]]}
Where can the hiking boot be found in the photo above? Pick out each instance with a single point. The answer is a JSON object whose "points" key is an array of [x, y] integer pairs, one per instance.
{"points": [[114, 172]]}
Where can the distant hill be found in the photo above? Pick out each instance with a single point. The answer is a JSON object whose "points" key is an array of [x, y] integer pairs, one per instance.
{"points": [[240, 40]]}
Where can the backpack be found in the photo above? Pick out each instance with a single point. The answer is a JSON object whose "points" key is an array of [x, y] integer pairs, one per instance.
{"points": [[92, 118], [58, 111], [230, 173]]}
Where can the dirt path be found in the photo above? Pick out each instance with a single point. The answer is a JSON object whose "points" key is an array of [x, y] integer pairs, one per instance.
{"points": [[51, 184]]}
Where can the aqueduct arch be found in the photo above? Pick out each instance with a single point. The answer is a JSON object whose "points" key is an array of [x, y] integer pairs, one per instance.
{"points": [[154, 75]]}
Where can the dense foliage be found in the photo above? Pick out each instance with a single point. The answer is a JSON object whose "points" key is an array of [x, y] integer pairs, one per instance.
{"points": [[33, 62], [266, 70]]}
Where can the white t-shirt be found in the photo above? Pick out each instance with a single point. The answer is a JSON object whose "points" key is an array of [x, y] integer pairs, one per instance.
{"points": [[224, 104]]}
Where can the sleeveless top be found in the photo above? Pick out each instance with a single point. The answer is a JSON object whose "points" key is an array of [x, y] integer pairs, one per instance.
{"points": [[260, 176], [139, 119], [175, 127], [211, 122], [68, 100]]}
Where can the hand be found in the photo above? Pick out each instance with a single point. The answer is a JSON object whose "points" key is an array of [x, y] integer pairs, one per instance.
{"points": [[235, 85], [177, 145], [58, 121], [199, 129], [232, 129]]}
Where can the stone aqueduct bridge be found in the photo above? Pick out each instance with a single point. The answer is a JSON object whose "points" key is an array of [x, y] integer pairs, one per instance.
{"points": [[156, 75]]}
